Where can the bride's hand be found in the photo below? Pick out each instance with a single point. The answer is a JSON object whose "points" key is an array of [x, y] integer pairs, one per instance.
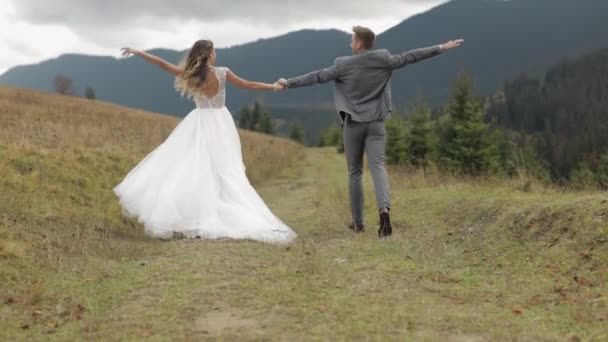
{"points": [[278, 86], [128, 52]]}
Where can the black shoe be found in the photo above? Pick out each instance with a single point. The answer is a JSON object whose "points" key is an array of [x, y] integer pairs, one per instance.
{"points": [[356, 227], [385, 229]]}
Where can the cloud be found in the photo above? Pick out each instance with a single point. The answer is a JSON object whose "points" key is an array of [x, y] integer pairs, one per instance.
{"points": [[82, 14], [31, 31], [112, 22]]}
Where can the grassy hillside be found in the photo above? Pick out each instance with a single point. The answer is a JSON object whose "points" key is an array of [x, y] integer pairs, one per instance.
{"points": [[59, 160], [471, 260]]}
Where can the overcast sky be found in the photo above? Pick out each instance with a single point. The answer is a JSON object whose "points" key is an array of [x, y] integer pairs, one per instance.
{"points": [[34, 30]]}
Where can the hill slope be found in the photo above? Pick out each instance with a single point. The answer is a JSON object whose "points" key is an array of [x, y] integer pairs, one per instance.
{"points": [[468, 261]]}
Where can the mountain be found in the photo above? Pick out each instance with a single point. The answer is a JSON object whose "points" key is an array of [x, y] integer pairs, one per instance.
{"points": [[132, 82], [502, 39]]}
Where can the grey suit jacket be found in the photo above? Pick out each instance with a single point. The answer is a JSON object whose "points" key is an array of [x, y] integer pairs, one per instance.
{"points": [[362, 86]]}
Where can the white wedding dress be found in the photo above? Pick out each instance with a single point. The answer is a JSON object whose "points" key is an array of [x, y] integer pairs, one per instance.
{"points": [[195, 183]]}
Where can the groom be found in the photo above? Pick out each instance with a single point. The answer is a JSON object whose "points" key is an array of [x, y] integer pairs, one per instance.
{"points": [[363, 101]]}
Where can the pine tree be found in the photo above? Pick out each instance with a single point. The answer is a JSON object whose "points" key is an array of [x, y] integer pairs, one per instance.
{"points": [[244, 118], [466, 143], [89, 93], [297, 132], [419, 143], [396, 145], [253, 118], [601, 173], [265, 124], [256, 118], [331, 136]]}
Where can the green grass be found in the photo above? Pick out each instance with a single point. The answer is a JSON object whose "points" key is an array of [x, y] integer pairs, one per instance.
{"points": [[466, 263]]}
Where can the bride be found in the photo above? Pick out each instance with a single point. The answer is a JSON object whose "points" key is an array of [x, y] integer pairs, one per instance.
{"points": [[194, 182]]}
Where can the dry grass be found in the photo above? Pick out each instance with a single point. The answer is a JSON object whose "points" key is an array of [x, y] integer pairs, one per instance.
{"points": [[46, 121], [60, 157], [40, 121]]}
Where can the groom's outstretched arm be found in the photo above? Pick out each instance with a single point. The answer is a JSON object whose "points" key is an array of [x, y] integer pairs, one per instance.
{"points": [[315, 77], [413, 56]]}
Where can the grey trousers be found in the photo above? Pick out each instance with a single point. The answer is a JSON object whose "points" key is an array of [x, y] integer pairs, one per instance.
{"points": [[368, 137]]}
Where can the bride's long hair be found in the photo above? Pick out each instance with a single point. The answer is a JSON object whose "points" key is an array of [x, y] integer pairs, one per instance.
{"points": [[195, 66]]}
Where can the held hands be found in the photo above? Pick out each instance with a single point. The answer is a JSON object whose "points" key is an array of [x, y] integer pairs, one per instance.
{"points": [[452, 44], [280, 84]]}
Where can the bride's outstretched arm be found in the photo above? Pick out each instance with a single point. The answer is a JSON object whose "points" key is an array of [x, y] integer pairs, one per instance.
{"points": [[242, 83], [161, 63]]}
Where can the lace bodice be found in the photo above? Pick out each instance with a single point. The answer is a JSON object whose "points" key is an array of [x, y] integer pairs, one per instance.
{"points": [[219, 100]]}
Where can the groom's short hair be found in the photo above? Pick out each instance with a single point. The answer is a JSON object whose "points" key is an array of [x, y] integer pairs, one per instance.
{"points": [[365, 36]]}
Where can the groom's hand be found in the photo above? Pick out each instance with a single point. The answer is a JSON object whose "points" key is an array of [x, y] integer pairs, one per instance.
{"points": [[452, 44], [278, 86], [283, 82]]}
